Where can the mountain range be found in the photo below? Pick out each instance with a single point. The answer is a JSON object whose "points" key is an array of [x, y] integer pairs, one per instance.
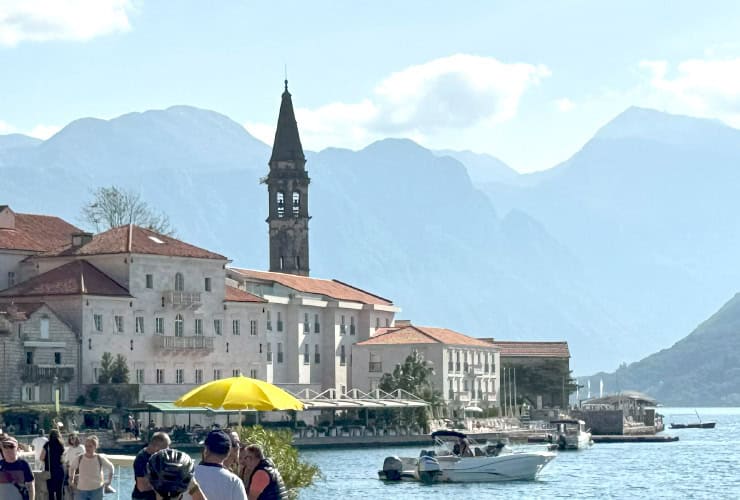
{"points": [[621, 250]]}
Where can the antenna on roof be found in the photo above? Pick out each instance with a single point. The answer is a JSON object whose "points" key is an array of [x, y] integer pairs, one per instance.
{"points": [[286, 77]]}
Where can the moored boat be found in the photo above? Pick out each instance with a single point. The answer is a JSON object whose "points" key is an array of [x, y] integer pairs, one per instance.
{"points": [[571, 434]]}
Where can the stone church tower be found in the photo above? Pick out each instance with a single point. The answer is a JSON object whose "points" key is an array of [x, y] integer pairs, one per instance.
{"points": [[287, 187]]}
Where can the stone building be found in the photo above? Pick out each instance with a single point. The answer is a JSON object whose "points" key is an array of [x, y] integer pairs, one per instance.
{"points": [[465, 368]]}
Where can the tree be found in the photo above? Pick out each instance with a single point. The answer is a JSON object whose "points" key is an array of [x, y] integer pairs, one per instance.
{"points": [[119, 370], [106, 366], [114, 206], [278, 447]]}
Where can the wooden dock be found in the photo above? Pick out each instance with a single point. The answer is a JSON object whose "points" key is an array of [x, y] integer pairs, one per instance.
{"points": [[634, 439]]}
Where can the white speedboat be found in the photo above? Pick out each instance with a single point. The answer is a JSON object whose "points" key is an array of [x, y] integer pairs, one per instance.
{"points": [[457, 458], [571, 434]]}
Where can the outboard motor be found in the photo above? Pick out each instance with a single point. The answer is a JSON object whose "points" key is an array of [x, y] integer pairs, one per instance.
{"points": [[392, 468], [428, 469]]}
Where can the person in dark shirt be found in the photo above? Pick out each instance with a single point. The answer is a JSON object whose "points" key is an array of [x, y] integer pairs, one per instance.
{"points": [[16, 478], [51, 456], [142, 488]]}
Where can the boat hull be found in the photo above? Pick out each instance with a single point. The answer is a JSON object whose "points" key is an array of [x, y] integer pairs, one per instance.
{"points": [[508, 467], [701, 425]]}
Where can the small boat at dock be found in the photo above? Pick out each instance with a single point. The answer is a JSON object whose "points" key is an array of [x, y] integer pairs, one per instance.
{"points": [[571, 434], [694, 425]]}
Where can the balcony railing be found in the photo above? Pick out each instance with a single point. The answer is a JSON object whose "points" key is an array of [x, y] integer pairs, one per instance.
{"points": [[463, 396], [376, 366], [182, 299], [197, 343], [36, 373]]}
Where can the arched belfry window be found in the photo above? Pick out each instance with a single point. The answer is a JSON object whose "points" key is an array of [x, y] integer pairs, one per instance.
{"points": [[280, 204], [296, 203], [282, 263], [179, 282]]}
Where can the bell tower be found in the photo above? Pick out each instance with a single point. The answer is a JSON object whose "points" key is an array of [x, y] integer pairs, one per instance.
{"points": [[287, 188]]}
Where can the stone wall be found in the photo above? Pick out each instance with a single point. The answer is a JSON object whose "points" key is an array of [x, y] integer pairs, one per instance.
{"points": [[602, 422]]}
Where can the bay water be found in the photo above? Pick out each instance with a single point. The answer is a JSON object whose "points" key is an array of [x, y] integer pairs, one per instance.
{"points": [[704, 463]]}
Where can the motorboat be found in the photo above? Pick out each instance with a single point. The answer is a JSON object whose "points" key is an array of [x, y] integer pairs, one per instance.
{"points": [[458, 458], [571, 434]]}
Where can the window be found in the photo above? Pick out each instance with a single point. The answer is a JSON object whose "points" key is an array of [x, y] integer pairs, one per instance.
{"points": [[316, 325], [150, 281], [279, 322], [159, 326], [253, 327], [235, 327], [269, 321], [387, 322], [95, 374], [160, 376], [217, 326], [316, 355], [450, 363], [29, 357], [179, 376], [377, 322], [57, 358], [199, 326], [179, 326], [342, 327], [217, 374], [269, 352], [11, 279], [98, 321], [296, 203], [280, 352], [140, 325], [207, 284], [450, 393], [342, 356], [351, 325], [198, 376], [282, 263], [44, 328], [139, 375], [236, 372], [118, 320], [29, 393], [306, 355], [280, 204], [306, 324], [457, 361], [179, 282], [253, 373], [376, 365]]}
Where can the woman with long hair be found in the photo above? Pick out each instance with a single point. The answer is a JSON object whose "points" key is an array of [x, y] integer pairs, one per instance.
{"points": [[51, 456]]}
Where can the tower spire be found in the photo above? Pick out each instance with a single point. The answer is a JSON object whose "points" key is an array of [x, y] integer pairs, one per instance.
{"points": [[287, 145]]}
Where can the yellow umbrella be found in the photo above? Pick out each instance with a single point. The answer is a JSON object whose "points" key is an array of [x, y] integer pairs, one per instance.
{"points": [[239, 393]]}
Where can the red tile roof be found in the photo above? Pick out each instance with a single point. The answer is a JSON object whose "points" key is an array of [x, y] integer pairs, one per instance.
{"points": [[236, 295], [330, 288], [422, 335], [37, 233], [137, 240], [74, 278], [511, 349]]}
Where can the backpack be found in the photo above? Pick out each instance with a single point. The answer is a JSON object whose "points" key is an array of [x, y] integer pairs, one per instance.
{"points": [[77, 468]]}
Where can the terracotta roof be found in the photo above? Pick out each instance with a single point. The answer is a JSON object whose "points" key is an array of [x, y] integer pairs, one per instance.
{"points": [[422, 335], [37, 233], [74, 278], [532, 349], [330, 288], [134, 239], [233, 294]]}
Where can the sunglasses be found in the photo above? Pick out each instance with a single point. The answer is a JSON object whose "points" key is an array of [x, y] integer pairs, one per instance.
{"points": [[9, 446]]}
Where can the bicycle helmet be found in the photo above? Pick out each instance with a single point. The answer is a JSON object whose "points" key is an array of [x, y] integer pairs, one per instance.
{"points": [[170, 472]]}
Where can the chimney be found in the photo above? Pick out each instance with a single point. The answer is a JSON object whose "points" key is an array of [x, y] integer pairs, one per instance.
{"points": [[402, 322], [7, 217], [80, 239]]}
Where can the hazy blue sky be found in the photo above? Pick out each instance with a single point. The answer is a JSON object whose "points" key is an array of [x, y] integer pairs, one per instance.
{"points": [[527, 81]]}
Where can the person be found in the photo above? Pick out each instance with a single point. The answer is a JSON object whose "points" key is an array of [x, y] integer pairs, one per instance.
{"points": [[38, 445], [170, 474], [142, 488], [465, 450], [88, 472], [232, 461], [265, 481], [216, 481], [16, 478], [74, 449], [51, 456]]}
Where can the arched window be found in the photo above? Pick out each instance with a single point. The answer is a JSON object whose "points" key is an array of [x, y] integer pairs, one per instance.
{"points": [[282, 263], [178, 325], [296, 203], [179, 282], [280, 204]]}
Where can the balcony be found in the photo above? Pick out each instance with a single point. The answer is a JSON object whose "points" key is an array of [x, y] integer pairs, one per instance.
{"points": [[376, 367], [463, 396], [47, 373], [182, 299], [190, 344]]}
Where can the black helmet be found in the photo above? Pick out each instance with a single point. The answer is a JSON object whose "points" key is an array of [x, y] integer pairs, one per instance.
{"points": [[170, 472]]}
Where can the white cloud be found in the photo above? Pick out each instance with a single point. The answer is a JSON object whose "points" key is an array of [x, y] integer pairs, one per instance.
{"points": [[44, 131], [564, 105], [6, 128], [42, 20], [700, 87], [450, 93]]}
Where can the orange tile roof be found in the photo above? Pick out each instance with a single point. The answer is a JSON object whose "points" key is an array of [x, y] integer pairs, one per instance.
{"points": [[513, 349], [422, 335], [37, 233], [74, 278], [330, 288], [233, 294], [134, 239]]}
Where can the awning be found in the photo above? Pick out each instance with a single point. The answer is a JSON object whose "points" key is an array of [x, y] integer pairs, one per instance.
{"points": [[169, 407]]}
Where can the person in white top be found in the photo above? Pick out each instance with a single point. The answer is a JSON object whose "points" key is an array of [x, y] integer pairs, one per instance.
{"points": [[73, 450], [90, 473], [38, 445], [215, 481]]}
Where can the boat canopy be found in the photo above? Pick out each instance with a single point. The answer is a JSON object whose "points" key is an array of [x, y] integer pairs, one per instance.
{"points": [[567, 421], [445, 433]]}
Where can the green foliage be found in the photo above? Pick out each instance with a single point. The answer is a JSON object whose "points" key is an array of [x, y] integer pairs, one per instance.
{"points": [[278, 446], [106, 366], [119, 370], [549, 378], [415, 377]]}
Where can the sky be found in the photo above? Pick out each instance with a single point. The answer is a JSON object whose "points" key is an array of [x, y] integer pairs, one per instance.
{"points": [[529, 82]]}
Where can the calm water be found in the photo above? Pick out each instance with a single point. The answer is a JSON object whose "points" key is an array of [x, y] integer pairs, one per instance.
{"points": [[704, 463]]}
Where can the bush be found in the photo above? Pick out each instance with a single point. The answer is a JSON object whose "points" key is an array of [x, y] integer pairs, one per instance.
{"points": [[278, 446]]}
